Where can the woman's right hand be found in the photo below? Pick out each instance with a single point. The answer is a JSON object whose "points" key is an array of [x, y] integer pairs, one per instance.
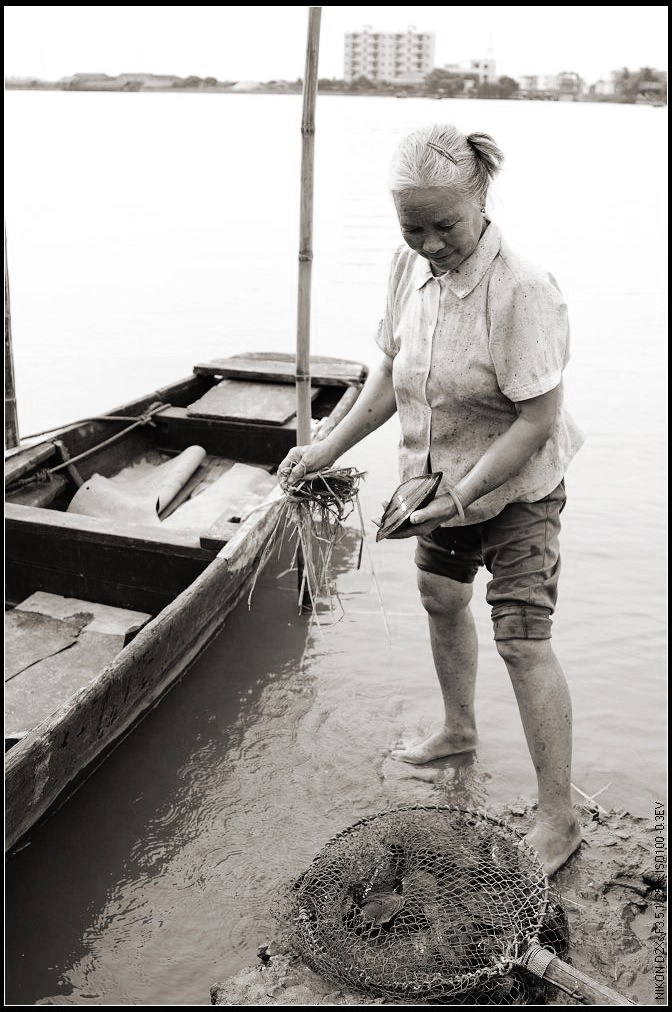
{"points": [[303, 460]]}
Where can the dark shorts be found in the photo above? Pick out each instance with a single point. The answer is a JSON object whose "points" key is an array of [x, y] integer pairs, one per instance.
{"points": [[520, 548]]}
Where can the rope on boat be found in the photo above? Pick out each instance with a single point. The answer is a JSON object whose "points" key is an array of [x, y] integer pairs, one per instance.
{"points": [[147, 418], [153, 409]]}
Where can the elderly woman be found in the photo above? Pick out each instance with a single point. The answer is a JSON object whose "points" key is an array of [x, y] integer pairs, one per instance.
{"points": [[474, 341]]}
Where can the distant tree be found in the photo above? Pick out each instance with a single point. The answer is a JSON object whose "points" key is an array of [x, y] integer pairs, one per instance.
{"points": [[625, 84], [330, 84], [507, 87], [628, 83], [488, 89], [444, 83], [389, 87], [361, 84]]}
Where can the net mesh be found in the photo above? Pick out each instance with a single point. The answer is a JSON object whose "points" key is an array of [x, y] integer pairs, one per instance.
{"points": [[425, 904]]}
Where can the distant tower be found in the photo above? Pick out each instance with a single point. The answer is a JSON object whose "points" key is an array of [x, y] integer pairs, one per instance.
{"points": [[486, 68]]}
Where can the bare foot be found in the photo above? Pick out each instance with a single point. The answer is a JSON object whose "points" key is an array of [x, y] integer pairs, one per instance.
{"points": [[554, 839], [437, 746]]}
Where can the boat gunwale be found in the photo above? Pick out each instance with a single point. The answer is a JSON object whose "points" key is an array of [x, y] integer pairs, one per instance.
{"points": [[89, 429]]}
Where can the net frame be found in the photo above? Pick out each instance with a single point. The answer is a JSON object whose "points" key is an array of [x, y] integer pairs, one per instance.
{"points": [[320, 948]]}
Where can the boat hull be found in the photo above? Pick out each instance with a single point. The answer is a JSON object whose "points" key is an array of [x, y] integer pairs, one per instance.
{"points": [[185, 583]]}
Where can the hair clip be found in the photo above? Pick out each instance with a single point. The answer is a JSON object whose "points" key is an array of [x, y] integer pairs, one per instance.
{"points": [[442, 151]]}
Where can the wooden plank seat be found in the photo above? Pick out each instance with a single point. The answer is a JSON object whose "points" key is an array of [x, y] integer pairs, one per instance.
{"points": [[244, 400], [258, 443], [98, 559], [324, 371]]}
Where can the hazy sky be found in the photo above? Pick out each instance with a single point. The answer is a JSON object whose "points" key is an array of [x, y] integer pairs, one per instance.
{"points": [[262, 43]]}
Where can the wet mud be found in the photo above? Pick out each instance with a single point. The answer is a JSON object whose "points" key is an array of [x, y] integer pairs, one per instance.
{"points": [[613, 893]]}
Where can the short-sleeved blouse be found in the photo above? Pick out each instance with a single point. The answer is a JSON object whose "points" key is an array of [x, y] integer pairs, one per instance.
{"points": [[467, 346]]}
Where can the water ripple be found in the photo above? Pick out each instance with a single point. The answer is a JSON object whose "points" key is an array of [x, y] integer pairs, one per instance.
{"points": [[161, 875]]}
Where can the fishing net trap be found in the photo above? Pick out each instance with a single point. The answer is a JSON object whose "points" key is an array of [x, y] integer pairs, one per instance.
{"points": [[434, 905]]}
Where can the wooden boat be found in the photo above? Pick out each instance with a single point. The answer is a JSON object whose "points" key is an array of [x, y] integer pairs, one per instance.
{"points": [[129, 539]]}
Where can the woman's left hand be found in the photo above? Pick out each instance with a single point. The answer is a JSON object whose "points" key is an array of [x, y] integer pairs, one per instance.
{"points": [[426, 520]]}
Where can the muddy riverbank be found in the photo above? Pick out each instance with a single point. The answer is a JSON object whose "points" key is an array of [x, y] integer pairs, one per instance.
{"points": [[612, 892]]}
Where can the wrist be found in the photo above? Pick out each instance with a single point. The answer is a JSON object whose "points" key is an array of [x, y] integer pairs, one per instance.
{"points": [[334, 445], [457, 501]]}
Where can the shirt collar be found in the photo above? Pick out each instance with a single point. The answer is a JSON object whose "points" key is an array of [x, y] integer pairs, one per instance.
{"points": [[464, 278]]}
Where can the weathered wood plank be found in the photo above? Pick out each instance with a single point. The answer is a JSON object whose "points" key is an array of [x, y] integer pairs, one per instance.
{"points": [[39, 494], [22, 578], [219, 535], [323, 371], [223, 530], [35, 693], [86, 557], [247, 400], [253, 444], [105, 531], [30, 638], [27, 460], [101, 617], [71, 468]]}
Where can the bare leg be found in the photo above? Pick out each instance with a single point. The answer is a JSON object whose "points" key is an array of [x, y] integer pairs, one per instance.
{"points": [[546, 712], [455, 650]]}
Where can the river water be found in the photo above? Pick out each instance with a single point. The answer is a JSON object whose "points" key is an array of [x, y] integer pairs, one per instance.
{"points": [[146, 232]]}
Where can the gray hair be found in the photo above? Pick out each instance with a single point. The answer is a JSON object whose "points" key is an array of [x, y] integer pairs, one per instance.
{"points": [[441, 155]]}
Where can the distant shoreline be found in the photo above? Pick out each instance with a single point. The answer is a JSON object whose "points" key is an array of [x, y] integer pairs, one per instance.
{"points": [[137, 85], [136, 82]]}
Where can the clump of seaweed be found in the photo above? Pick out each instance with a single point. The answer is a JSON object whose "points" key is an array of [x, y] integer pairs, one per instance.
{"points": [[312, 516]]}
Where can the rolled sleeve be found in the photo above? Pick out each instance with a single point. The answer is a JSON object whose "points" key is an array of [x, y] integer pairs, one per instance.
{"points": [[384, 337], [529, 338]]}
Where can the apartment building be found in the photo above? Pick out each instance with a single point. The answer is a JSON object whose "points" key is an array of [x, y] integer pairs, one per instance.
{"points": [[404, 57]]}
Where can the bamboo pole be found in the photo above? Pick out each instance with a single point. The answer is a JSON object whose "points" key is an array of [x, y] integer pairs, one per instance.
{"points": [[11, 420], [306, 229]]}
